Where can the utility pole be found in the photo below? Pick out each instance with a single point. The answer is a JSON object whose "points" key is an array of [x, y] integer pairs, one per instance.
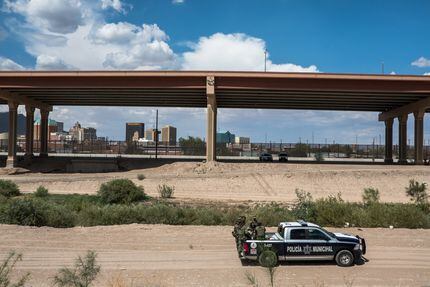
{"points": [[382, 68], [265, 60], [156, 134]]}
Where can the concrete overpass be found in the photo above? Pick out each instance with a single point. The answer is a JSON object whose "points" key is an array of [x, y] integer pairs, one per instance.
{"points": [[394, 96]]}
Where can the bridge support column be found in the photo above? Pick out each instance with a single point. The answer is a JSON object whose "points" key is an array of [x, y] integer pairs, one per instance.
{"points": [[419, 136], [44, 115], [29, 132], [388, 141], [403, 138], [211, 119], [13, 126]]}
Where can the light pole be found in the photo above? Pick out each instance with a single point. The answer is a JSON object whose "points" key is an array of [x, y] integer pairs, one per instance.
{"points": [[265, 60], [156, 134]]}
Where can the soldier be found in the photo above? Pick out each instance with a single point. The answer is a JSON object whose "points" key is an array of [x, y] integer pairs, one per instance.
{"points": [[260, 231], [239, 233], [250, 231]]}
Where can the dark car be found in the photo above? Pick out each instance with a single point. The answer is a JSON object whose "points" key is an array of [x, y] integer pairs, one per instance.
{"points": [[303, 241], [283, 157], [266, 157]]}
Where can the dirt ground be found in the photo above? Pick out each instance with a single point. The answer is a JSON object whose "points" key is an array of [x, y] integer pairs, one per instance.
{"points": [[160, 255], [245, 181]]}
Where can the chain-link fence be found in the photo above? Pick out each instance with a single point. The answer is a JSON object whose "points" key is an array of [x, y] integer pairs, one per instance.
{"points": [[199, 149]]}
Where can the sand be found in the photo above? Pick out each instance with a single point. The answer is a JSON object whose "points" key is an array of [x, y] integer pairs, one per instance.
{"points": [[245, 181], [161, 255]]}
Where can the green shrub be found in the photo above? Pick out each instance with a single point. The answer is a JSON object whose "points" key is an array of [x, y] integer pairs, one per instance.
{"points": [[33, 212], [6, 268], [86, 210], [41, 191], [9, 188], [141, 176], [370, 195], [331, 211], [3, 199], [165, 191], [120, 191], [83, 274], [417, 191], [304, 207], [319, 157]]}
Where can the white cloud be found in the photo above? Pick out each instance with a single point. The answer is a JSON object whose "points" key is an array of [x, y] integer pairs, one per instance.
{"points": [[178, 1], [421, 62], [57, 16], [114, 4], [234, 52], [427, 74], [9, 65], [134, 47], [52, 63]]}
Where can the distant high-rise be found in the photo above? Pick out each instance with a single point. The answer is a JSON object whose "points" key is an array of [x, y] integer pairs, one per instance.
{"points": [[80, 134], [150, 134], [168, 135], [134, 131], [226, 137]]}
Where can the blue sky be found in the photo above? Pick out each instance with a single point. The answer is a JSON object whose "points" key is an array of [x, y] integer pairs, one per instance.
{"points": [[302, 36]]}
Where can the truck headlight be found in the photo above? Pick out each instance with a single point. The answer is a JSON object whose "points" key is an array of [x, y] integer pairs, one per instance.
{"points": [[357, 247]]}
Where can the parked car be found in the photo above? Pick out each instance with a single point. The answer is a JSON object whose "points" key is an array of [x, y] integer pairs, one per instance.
{"points": [[283, 157], [304, 241], [266, 157]]}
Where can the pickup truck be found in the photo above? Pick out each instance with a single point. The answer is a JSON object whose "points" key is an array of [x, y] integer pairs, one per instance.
{"points": [[304, 241]]}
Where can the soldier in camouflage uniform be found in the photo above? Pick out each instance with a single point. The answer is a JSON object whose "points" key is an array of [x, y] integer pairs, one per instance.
{"points": [[239, 233], [260, 231], [251, 230]]}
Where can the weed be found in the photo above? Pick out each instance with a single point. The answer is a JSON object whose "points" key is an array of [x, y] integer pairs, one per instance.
{"points": [[8, 188], [118, 280], [272, 270], [252, 279], [370, 195], [84, 273], [141, 176], [6, 268], [41, 191], [417, 191], [166, 191]]}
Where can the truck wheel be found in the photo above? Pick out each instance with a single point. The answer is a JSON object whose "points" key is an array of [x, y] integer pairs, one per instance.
{"points": [[344, 258], [268, 258]]}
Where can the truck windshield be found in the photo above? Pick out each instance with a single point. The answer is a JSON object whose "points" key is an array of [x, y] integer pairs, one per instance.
{"points": [[328, 232]]}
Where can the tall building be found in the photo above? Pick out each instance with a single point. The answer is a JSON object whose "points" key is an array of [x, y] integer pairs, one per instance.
{"points": [[168, 135], [150, 134], [60, 127], [226, 137], [242, 140], [134, 131], [81, 134], [52, 128]]}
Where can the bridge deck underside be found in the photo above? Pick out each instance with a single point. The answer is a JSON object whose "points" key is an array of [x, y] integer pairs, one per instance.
{"points": [[226, 98]]}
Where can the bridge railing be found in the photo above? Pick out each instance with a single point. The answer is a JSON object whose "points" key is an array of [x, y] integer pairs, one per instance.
{"points": [[241, 150]]}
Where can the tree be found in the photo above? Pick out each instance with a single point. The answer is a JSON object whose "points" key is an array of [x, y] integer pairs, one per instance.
{"points": [[192, 146]]}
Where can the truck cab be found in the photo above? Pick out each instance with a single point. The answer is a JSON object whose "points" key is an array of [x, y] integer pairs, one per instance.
{"points": [[305, 241]]}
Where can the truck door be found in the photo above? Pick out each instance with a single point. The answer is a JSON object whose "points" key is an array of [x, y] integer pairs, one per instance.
{"points": [[319, 243], [296, 240], [308, 243]]}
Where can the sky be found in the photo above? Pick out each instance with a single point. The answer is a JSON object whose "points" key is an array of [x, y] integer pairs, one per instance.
{"points": [[336, 36]]}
